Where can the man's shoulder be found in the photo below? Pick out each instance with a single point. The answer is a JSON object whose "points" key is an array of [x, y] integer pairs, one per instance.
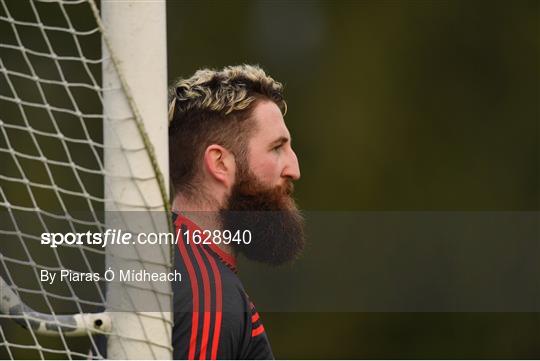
{"points": [[205, 275], [212, 313]]}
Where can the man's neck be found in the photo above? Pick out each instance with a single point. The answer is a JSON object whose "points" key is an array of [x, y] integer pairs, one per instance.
{"points": [[203, 214]]}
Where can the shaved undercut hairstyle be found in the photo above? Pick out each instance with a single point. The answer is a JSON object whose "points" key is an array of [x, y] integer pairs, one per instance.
{"points": [[214, 107]]}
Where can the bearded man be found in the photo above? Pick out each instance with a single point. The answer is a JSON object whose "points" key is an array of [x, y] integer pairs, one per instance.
{"points": [[232, 169]]}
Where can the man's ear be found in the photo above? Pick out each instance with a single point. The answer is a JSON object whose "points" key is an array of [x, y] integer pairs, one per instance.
{"points": [[220, 164]]}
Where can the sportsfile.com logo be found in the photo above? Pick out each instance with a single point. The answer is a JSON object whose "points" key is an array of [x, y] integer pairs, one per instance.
{"points": [[109, 237], [120, 237]]}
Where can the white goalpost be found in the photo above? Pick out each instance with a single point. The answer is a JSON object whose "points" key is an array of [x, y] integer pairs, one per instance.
{"points": [[83, 147], [140, 52]]}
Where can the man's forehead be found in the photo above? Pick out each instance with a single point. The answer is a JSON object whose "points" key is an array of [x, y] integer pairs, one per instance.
{"points": [[269, 120]]}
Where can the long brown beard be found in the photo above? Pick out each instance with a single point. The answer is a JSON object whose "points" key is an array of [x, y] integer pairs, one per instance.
{"points": [[276, 225]]}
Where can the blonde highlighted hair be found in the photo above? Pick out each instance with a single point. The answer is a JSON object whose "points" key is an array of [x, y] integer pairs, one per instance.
{"points": [[231, 89]]}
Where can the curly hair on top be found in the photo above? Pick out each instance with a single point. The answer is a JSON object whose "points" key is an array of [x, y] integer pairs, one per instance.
{"points": [[233, 88], [214, 107]]}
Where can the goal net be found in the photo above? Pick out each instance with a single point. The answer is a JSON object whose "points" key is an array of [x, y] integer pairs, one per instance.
{"points": [[83, 148]]}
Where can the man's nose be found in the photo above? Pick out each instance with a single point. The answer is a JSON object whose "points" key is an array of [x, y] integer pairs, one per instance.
{"points": [[292, 168]]}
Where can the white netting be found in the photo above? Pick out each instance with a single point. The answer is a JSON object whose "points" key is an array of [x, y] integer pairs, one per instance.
{"points": [[56, 131]]}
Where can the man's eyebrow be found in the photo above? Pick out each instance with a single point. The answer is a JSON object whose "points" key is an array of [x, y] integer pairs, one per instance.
{"points": [[280, 140]]}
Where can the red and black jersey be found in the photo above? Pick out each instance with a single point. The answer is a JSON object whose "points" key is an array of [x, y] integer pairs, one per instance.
{"points": [[213, 316]]}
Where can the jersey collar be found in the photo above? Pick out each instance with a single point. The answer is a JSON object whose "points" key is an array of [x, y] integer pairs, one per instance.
{"points": [[228, 259]]}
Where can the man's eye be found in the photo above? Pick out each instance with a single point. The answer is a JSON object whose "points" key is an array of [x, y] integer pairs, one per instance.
{"points": [[277, 147]]}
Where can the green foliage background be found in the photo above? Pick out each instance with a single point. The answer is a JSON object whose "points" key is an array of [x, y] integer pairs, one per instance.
{"points": [[393, 105]]}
